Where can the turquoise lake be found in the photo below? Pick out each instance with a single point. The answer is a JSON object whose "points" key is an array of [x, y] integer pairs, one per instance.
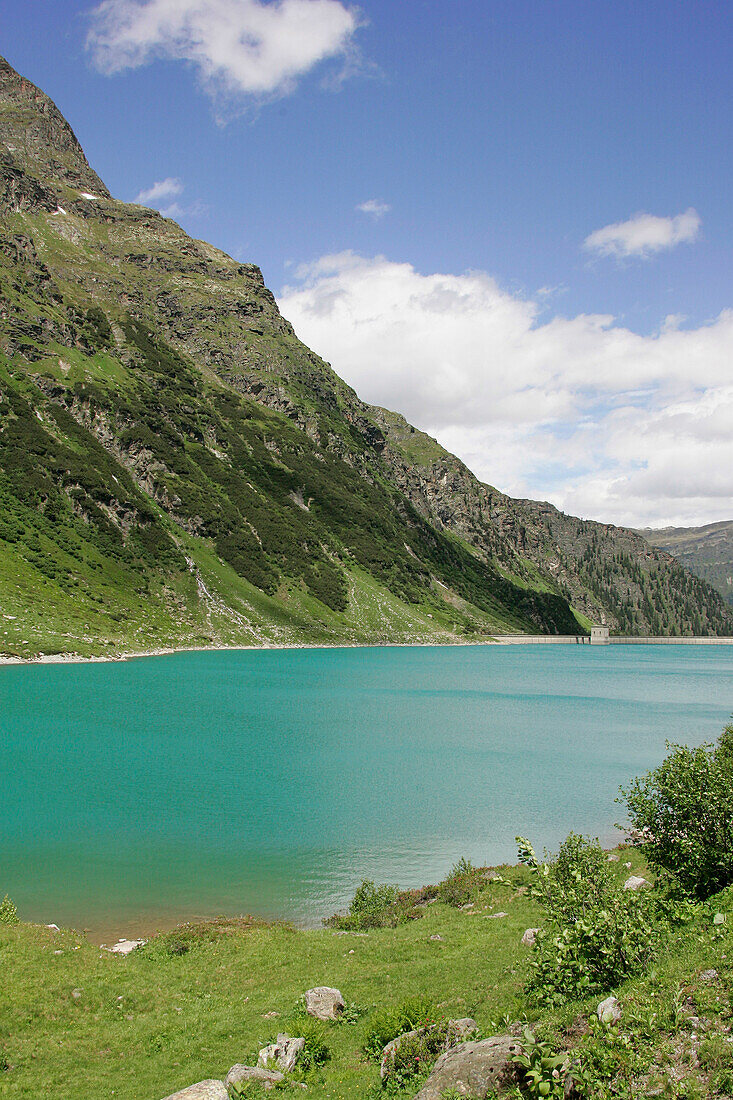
{"points": [[141, 793]]}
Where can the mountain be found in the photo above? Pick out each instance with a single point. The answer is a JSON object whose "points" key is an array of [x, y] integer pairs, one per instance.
{"points": [[176, 467], [706, 551]]}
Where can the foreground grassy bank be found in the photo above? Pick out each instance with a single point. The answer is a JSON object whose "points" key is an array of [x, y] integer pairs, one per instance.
{"points": [[77, 1022]]}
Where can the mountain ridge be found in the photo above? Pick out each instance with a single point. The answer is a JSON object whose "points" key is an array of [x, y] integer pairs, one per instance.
{"points": [[220, 478], [706, 551]]}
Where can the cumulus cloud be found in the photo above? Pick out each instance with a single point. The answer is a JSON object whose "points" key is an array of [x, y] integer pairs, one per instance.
{"points": [[159, 195], [239, 47], [603, 421], [644, 234], [159, 192], [374, 208]]}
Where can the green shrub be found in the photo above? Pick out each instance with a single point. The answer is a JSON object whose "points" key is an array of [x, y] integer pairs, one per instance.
{"points": [[538, 1068], [682, 815], [388, 1023], [596, 933], [416, 1055], [371, 907], [8, 911], [316, 1051], [461, 884]]}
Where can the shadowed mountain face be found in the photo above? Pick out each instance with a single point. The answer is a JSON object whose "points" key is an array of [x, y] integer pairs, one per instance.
{"points": [[176, 467], [706, 551]]}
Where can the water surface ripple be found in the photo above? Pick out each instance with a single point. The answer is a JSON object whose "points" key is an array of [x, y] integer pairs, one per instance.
{"points": [[273, 781]]}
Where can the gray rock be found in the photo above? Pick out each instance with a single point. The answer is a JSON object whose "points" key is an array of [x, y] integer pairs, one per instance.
{"points": [[458, 1031], [125, 947], [471, 1069], [609, 1011], [324, 1003], [709, 975], [436, 937], [613, 858], [635, 882], [463, 1028], [285, 1052], [529, 937], [203, 1090], [391, 1049], [239, 1074], [496, 916]]}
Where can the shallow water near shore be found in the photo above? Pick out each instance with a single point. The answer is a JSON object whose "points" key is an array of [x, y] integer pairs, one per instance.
{"points": [[136, 795]]}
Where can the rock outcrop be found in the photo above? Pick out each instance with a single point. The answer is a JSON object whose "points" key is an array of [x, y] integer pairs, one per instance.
{"points": [[324, 1003], [474, 1069], [202, 1090], [283, 1053]]}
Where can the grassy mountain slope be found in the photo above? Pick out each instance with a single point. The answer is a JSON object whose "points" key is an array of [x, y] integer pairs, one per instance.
{"points": [[706, 551], [177, 468]]}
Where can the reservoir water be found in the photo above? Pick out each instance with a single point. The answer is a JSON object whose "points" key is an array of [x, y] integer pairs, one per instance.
{"points": [[137, 794]]}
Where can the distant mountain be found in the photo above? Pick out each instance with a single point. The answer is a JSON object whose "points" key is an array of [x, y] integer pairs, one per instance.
{"points": [[176, 467], [706, 551]]}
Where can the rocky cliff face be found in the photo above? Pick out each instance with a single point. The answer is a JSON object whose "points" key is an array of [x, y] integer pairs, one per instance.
{"points": [[39, 139], [706, 551], [169, 405]]}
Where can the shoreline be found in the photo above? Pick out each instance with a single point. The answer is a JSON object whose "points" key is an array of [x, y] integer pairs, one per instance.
{"points": [[171, 651], [498, 639], [109, 930]]}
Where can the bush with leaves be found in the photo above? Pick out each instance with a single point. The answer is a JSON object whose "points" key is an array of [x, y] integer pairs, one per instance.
{"points": [[540, 1070], [381, 907], [596, 933], [682, 816], [316, 1051], [461, 884], [372, 906], [416, 1054], [8, 911], [388, 1023]]}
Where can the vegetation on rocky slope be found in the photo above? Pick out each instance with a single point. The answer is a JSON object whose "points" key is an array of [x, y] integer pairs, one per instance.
{"points": [[178, 468], [706, 551]]}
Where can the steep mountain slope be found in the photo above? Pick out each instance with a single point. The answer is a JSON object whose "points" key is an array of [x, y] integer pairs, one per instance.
{"points": [[706, 551], [176, 467]]}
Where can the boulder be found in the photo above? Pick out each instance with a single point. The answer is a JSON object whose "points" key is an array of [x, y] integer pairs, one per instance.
{"points": [[463, 1028], [125, 947], [635, 882], [267, 1077], [285, 1052], [529, 937], [472, 1069], [709, 975], [609, 1011], [324, 1003], [203, 1090], [613, 858], [436, 1039]]}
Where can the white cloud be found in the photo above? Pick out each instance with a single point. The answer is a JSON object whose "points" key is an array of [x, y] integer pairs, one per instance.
{"points": [[159, 192], [374, 208], [601, 420], [248, 47], [644, 234]]}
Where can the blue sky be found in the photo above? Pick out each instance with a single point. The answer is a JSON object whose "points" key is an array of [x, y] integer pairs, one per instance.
{"points": [[490, 138]]}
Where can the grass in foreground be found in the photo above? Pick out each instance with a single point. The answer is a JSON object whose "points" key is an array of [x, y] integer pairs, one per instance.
{"points": [[77, 1022]]}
